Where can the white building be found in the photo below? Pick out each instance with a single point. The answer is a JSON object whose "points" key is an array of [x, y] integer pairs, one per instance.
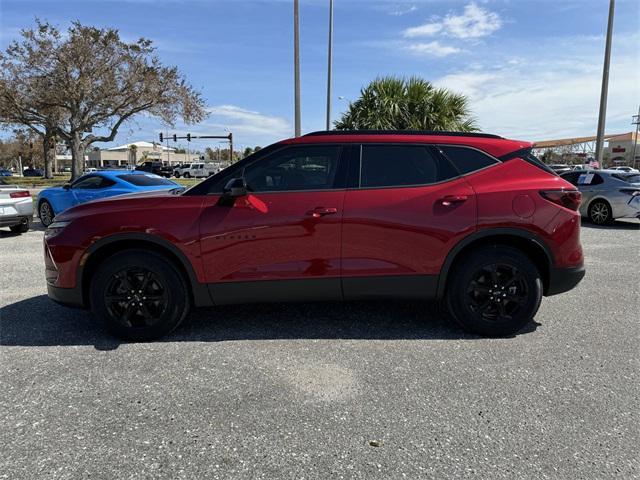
{"points": [[137, 152]]}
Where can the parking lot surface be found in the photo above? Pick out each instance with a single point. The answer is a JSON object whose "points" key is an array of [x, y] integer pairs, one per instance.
{"points": [[354, 390]]}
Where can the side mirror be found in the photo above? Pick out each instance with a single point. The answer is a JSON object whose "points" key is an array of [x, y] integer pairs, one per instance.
{"points": [[236, 187], [66, 186]]}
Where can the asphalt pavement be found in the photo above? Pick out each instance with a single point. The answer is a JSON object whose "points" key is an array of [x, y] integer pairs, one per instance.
{"points": [[354, 390]]}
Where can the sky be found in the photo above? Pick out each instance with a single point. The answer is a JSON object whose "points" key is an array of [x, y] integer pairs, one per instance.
{"points": [[532, 69]]}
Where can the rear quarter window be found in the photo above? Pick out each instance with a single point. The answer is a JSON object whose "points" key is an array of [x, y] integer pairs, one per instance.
{"points": [[467, 160]]}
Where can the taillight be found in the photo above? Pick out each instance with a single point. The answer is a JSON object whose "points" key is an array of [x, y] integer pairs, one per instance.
{"points": [[565, 198], [634, 192], [22, 193]]}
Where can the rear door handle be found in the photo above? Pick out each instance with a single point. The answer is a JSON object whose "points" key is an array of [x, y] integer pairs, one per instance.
{"points": [[322, 211], [448, 200]]}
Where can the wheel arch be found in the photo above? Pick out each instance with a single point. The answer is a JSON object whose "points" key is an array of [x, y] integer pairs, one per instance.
{"points": [[529, 243], [108, 246]]}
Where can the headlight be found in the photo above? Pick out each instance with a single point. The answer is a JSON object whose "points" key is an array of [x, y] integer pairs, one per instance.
{"points": [[54, 229]]}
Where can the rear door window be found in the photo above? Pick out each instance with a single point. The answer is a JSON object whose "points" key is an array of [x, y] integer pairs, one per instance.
{"points": [[402, 165], [467, 160]]}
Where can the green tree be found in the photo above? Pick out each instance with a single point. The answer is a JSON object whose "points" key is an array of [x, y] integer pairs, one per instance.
{"points": [[87, 83], [392, 103]]}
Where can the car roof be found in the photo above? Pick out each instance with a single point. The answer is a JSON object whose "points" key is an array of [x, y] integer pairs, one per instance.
{"points": [[492, 144]]}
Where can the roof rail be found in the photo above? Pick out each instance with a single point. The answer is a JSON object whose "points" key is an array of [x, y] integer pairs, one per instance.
{"points": [[400, 132]]}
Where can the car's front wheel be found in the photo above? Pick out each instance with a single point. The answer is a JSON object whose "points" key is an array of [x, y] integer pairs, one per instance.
{"points": [[494, 291], [45, 213], [187, 175], [600, 212], [139, 295]]}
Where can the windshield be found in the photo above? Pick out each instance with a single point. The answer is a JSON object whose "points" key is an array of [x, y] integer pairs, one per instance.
{"points": [[146, 180]]}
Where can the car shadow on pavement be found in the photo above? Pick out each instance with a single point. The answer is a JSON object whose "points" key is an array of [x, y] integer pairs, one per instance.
{"points": [[615, 225], [38, 321]]}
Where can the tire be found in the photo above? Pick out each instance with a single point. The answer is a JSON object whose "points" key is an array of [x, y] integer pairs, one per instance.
{"points": [[45, 213], [176, 174], [21, 227], [600, 212], [187, 175], [145, 278], [494, 291]]}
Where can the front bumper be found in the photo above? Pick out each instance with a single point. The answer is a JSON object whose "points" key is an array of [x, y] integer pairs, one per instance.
{"points": [[69, 297], [564, 279]]}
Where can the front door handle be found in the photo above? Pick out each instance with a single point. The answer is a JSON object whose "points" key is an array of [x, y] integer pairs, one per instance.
{"points": [[322, 211], [448, 200]]}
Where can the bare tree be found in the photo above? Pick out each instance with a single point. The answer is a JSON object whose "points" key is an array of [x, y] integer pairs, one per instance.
{"points": [[89, 82]]}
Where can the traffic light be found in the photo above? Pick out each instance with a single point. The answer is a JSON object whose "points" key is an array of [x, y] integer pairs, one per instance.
{"points": [[161, 137], [188, 137], [175, 137]]}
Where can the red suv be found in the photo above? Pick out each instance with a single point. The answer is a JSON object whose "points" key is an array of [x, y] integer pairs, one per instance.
{"points": [[472, 219]]}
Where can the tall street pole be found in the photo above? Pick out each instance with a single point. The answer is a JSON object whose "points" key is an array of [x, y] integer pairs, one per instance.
{"points": [[329, 64], [635, 120], [605, 87], [296, 63]]}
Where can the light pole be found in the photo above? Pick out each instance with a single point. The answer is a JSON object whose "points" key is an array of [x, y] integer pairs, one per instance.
{"points": [[329, 64], [635, 120], [605, 87], [296, 64]]}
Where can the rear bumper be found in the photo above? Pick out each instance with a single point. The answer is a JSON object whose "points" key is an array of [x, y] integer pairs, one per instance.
{"points": [[69, 297], [11, 220], [564, 279]]}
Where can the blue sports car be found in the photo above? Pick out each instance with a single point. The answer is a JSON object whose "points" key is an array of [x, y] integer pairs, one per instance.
{"points": [[93, 186]]}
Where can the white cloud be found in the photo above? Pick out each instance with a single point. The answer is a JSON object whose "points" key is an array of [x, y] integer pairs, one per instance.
{"points": [[552, 93], [426, 30], [474, 22], [247, 125], [434, 49]]}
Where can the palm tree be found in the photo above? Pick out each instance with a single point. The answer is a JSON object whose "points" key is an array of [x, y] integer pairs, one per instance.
{"points": [[392, 103]]}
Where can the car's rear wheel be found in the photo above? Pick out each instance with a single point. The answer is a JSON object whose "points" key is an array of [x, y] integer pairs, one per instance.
{"points": [[494, 291], [21, 227], [139, 295], [45, 212], [600, 212]]}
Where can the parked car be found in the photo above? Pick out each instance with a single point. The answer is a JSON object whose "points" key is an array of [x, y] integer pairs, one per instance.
{"points": [[626, 169], [473, 219], [606, 194], [16, 208], [157, 168], [179, 170], [199, 170], [5, 173], [93, 186], [32, 172]]}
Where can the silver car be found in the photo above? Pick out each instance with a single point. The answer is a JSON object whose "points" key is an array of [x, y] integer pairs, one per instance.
{"points": [[607, 194], [16, 208]]}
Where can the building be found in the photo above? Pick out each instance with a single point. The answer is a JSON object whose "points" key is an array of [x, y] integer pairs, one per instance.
{"points": [[136, 153], [618, 149]]}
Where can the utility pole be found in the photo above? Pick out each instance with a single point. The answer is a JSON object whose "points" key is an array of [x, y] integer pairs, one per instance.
{"points": [[635, 120], [605, 87], [296, 64], [329, 64], [230, 148]]}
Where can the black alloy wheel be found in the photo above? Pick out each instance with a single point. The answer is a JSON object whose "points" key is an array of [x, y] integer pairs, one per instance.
{"points": [[494, 290], [497, 292], [45, 212], [139, 295], [136, 297]]}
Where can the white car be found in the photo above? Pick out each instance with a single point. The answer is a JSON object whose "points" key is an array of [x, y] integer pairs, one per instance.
{"points": [[16, 208], [199, 170], [625, 169]]}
